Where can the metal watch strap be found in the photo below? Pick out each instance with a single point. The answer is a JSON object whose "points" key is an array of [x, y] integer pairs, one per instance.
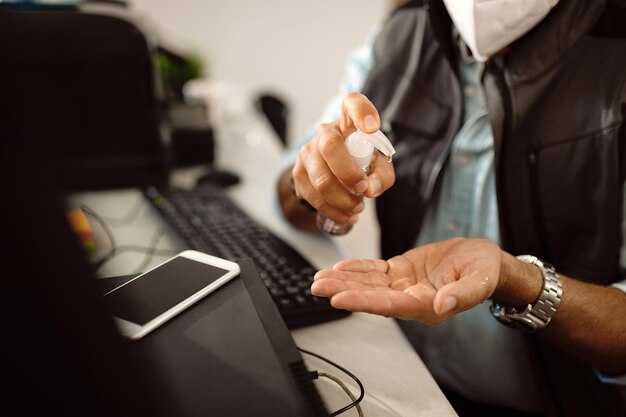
{"points": [[538, 314]]}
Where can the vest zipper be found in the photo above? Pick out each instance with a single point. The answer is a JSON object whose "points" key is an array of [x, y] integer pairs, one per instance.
{"points": [[500, 147], [533, 167]]}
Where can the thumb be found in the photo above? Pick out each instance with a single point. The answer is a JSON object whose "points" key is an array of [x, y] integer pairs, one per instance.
{"points": [[462, 295], [358, 112]]}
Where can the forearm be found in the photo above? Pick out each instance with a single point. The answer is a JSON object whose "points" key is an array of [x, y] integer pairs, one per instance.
{"points": [[297, 214], [590, 322]]}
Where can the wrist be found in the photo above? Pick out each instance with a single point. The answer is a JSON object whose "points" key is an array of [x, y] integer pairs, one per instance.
{"points": [[294, 211], [515, 304], [519, 284]]}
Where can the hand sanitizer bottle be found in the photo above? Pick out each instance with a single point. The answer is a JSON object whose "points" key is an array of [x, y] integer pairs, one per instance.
{"points": [[361, 146]]}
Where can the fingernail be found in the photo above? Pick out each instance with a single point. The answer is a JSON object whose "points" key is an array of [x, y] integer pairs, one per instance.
{"points": [[374, 186], [354, 219], [359, 208], [448, 305], [314, 289], [370, 123], [361, 186]]}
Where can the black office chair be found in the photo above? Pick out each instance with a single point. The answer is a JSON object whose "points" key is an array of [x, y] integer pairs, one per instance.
{"points": [[86, 83], [277, 112]]}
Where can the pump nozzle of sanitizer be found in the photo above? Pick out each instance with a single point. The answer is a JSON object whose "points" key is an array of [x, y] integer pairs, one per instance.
{"points": [[361, 146]]}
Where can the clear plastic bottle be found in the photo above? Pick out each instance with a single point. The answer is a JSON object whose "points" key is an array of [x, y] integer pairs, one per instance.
{"points": [[361, 146]]}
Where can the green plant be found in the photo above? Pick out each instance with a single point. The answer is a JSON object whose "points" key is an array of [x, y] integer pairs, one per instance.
{"points": [[176, 70]]}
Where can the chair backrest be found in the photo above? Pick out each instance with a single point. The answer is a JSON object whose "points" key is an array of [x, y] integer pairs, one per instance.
{"points": [[277, 113], [86, 83]]}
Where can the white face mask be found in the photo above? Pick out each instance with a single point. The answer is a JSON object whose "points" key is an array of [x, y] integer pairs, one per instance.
{"points": [[487, 26]]}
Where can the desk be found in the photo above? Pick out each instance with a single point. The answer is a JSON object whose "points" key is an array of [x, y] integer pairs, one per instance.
{"points": [[372, 347]]}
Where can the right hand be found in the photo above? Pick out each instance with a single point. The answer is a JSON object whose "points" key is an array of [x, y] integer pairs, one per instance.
{"points": [[325, 174]]}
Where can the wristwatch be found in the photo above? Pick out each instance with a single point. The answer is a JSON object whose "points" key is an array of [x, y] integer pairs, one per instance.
{"points": [[538, 314]]}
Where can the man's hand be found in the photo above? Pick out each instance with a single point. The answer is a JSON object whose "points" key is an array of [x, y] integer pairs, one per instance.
{"points": [[433, 282], [325, 174], [429, 283]]}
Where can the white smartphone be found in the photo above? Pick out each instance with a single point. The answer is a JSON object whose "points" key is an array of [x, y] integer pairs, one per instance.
{"points": [[150, 299]]}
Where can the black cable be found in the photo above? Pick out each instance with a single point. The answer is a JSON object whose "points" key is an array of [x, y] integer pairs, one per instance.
{"points": [[124, 220], [106, 258], [345, 371], [149, 251], [88, 211], [152, 248], [343, 387]]}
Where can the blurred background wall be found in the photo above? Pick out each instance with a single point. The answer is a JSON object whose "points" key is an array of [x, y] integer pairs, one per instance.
{"points": [[293, 48]]}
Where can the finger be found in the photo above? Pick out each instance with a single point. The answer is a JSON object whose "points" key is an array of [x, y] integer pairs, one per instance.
{"points": [[372, 279], [328, 287], [339, 204], [465, 293], [358, 112], [443, 274], [431, 267], [403, 273], [378, 271], [423, 292], [400, 273], [332, 149], [362, 265], [389, 304], [401, 284], [382, 176], [305, 190]]}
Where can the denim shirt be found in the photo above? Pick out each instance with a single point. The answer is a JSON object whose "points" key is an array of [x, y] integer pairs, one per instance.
{"points": [[466, 203]]}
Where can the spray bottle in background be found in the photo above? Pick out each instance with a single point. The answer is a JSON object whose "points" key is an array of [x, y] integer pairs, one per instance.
{"points": [[361, 146]]}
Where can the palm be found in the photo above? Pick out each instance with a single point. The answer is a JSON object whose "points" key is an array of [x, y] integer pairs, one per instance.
{"points": [[428, 283]]}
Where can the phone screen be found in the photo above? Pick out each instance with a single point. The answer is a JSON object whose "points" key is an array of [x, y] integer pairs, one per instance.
{"points": [[160, 289]]}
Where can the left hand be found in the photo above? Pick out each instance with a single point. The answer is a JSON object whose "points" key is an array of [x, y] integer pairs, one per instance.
{"points": [[430, 283]]}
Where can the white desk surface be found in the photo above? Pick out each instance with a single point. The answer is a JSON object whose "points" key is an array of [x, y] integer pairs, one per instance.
{"points": [[373, 348]]}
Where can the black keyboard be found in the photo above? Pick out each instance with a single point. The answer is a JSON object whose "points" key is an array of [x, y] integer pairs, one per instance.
{"points": [[210, 222]]}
